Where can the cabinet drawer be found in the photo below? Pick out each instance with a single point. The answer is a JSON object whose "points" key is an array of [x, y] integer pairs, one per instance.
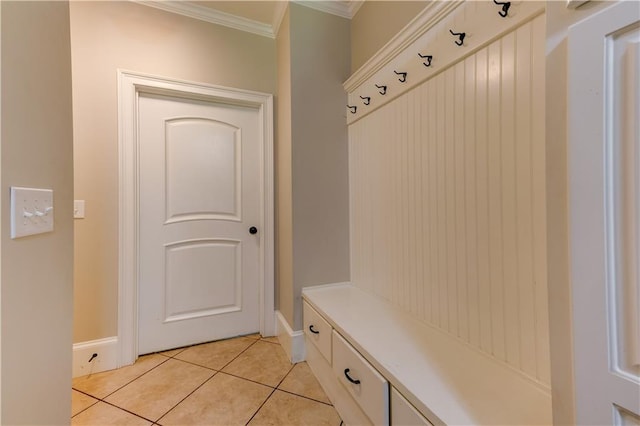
{"points": [[367, 386], [317, 330], [403, 413]]}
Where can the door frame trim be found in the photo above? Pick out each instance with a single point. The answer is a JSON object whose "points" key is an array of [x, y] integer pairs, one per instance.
{"points": [[130, 85]]}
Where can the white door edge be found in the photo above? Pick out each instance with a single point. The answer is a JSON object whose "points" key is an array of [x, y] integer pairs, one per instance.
{"points": [[606, 384], [130, 84]]}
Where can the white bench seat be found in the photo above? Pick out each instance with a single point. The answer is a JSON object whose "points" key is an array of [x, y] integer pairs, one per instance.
{"points": [[448, 381]]}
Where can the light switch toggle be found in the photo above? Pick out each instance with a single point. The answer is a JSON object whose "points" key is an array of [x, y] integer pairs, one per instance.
{"points": [[44, 213], [37, 213]]}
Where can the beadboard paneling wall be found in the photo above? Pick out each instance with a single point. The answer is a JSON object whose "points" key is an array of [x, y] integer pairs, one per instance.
{"points": [[448, 201]]}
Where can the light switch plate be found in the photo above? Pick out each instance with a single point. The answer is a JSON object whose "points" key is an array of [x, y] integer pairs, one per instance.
{"points": [[78, 209], [31, 211]]}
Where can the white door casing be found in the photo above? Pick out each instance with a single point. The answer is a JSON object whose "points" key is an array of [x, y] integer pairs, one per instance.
{"points": [[132, 88], [604, 188]]}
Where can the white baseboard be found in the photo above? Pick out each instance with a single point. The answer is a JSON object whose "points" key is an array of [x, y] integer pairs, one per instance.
{"points": [[291, 341], [107, 359]]}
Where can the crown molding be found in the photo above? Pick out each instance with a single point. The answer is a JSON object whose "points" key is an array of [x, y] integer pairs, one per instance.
{"points": [[213, 16], [344, 9], [354, 6], [278, 16], [428, 18]]}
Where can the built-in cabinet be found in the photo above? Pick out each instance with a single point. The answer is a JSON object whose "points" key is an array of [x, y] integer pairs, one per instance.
{"points": [[447, 183], [317, 330], [379, 365], [403, 412], [445, 319], [369, 389]]}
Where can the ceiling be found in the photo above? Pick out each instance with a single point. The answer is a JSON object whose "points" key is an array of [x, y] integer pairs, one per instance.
{"points": [[262, 17]]}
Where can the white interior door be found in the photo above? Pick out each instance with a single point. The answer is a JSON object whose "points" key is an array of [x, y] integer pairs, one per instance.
{"points": [[199, 197], [604, 172]]}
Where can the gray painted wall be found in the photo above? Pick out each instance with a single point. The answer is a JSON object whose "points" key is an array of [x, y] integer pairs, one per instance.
{"points": [[319, 49], [37, 271]]}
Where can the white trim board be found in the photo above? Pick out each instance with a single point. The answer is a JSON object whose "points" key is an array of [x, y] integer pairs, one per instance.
{"points": [[1, 209], [345, 9], [130, 85], [211, 15], [106, 359], [291, 341], [428, 34]]}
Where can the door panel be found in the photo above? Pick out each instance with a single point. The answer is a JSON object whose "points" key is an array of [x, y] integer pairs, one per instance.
{"points": [[199, 194], [625, 46], [604, 166], [203, 170], [203, 278]]}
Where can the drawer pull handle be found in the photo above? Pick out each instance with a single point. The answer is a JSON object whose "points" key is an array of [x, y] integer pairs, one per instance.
{"points": [[346, 373], [312, 330]]}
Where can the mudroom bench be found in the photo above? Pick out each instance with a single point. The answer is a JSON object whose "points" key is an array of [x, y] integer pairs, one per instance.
{"points": [[379, 365]]}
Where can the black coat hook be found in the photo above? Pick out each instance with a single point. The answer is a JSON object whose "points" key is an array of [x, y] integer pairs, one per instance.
{"points": [[461, 37], [505, 8], [383, 89], [403, 76], [352, 108], [428, 58], [366, 99]]}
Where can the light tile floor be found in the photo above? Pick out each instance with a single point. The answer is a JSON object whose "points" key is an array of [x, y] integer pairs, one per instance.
{"points": [[242, 381]]}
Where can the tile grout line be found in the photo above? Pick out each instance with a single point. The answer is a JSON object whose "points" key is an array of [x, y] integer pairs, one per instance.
{"points": [[241, 352], [196, 365], [202, 366], [306, 397], [210, 368], [300, 395], [165, 413], [261, 405], [108, 403], [86, 408], [225, 365], [285, 376], [248, 380], [130, 412], [271, 394], [103, 399], [184, 348], [297, 394], [215, 373], [129, 382], [167, 359]]}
